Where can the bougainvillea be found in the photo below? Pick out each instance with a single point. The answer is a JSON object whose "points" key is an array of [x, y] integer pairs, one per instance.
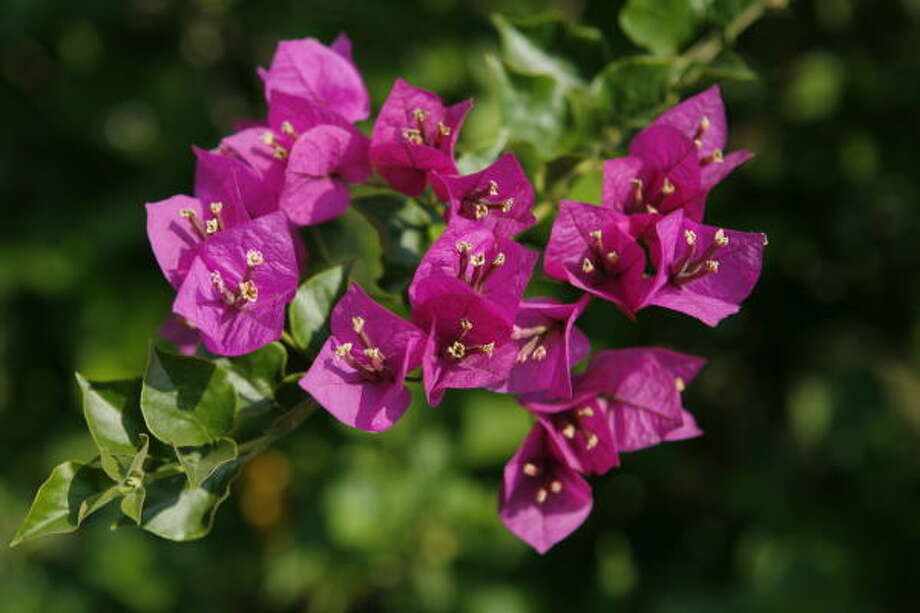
{"points": [[463, 318]]}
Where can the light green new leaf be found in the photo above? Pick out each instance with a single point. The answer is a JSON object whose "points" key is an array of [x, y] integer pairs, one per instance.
{"points": [[201, 462], [133, 484], [723, 12], [402, 225], [72, 492], [310, 309], [113, 416], [663, 26], [634, 89], [348, 239], [255, 375], [186, 402], [549, 44], [533, 107], [177, 511]]}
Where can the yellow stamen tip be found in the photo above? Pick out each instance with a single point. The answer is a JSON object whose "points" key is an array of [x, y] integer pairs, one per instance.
{"points": [[249, 291], [457, 350], [254, 258]]}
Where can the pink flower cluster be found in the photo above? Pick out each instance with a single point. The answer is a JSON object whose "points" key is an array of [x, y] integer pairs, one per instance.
{"points": [[233, 254]]}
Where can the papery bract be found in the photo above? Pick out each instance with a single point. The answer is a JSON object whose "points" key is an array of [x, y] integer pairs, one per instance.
{"points": [[322, 160], [499, 197], [642, 387], [709, 270], [675, 161], [542, 499], [178, 226], [414, 134], [326, 77], [549, 345], [359, 375], [495, 267], [595, 249], [583, 431], [661, 174], [701, 118], [183, 336], [238, 285], [469, 337], [304, 157], [217, 175]]}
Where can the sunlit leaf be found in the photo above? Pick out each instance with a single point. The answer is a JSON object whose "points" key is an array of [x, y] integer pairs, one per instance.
{"points": [[72, 492], [132, 486], [201, 462], [113, 416], [663, 26], [348, 239], [254, 376], [186, 401], [634, 88], [550, 44], [177, 511], [310, 309], [402, 225], [533, 107]]}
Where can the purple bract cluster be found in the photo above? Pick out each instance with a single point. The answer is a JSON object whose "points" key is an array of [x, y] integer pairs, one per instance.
{"points": [[233, 254]]}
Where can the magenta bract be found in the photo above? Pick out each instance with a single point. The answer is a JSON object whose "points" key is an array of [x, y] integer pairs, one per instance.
{"points": [[324, 76], [415, 134], [237, 288], [494, 267], [642, 387], [359, 375], [675, 161], [709, 270], [469, 337], [305, 156], [548, 346], [178, 226], [594, 249], [542, 499], [499, 197]]}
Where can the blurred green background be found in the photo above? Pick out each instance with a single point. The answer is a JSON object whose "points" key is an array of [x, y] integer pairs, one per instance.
{"points": [[804, 495]]}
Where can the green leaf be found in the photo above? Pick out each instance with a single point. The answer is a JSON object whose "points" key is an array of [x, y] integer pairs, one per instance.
{"points": [[255, 375], [201, 462], [550, 44], [663, 26], [533, 107], [113, 416], [72, 492], [634, 89], [133, 484], [178, 511], [728, 66], [723, 12], [402, 225], [186, 401], [470, 161], [349, 239], [310, 309]]}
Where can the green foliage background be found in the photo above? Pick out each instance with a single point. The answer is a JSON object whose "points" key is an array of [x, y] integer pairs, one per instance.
{"points": [[803, 494]]}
